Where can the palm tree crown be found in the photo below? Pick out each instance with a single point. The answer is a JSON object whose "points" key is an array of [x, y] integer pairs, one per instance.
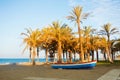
{"points": [[108, 30]]}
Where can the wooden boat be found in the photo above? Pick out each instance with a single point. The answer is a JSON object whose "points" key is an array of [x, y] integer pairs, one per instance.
{"points": [[75, 66]]}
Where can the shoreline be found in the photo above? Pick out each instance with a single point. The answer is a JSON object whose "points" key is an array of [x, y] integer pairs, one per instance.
{"points": [[22, 63], [30, 64]]}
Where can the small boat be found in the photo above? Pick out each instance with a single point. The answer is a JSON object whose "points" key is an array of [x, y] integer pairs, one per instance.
{"points": [[86, 65]]}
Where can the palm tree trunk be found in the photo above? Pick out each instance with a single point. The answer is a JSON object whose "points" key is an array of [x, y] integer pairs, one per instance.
{"points": [[108, 55], [70, 56], [38, 54], [30, 58], [92, 55], [63, 55], [33, 56], [104, 55], [66, 56], [74, 55], [81, 54], [97, 56], [30, 54], [59, 52], [112, 56], [54, 56], [46, 51], [88, 54]]}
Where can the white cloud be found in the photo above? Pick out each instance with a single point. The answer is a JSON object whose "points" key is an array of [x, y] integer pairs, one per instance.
{"points": [[72, 2], [102, 11], [105, 11]]}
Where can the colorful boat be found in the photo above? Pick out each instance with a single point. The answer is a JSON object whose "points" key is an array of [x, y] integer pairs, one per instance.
{"points": [[75, 66]]}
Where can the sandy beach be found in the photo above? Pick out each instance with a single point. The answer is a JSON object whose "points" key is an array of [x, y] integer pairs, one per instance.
{"points": [[22, 72]]}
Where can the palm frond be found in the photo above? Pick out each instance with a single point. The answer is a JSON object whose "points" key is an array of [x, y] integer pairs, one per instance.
{"points": [[113, 31], [24, 49], [25, 34], [72, 18], [29, 30], [85, 15]]}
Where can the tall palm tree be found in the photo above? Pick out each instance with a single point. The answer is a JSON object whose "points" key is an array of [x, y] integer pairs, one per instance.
{"points": [[108, 31], [76, 15], [32, 39]]}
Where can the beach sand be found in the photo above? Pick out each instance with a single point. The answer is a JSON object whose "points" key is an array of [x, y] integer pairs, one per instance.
{"points": [[45, 72]]}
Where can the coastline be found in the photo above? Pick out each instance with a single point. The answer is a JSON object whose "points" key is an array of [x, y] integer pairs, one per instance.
{"points": [[23, 64], [30, 64], [20, 61]]}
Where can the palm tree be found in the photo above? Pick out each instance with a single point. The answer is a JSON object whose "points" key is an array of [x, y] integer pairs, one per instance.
{"points": [[104, 45], [76, 15], [52, 50], [92, 46], [108, 31], [69, 46], [59, 34], [46, 40], [87, 36], [32, 39], [30, 49], [97, 45], [94, 43]]}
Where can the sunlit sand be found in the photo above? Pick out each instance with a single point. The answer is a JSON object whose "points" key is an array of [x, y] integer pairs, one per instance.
{"points": [[30, 64]]}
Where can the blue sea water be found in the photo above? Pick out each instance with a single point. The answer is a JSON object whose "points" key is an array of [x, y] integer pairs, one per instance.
{"points": [[20, 60], [17, 60]]}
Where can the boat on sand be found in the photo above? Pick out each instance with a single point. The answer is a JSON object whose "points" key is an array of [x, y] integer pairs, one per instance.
{"points": [[85, 65]]}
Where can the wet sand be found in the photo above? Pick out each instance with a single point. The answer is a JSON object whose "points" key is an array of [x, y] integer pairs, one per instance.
{"points": [[20, 72]]}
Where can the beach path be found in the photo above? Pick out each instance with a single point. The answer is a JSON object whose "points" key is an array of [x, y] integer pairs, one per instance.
{"points": [[111, 75]]}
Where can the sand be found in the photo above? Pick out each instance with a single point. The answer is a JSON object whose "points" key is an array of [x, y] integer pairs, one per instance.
{"points": [[30, 64], [45, 72]]}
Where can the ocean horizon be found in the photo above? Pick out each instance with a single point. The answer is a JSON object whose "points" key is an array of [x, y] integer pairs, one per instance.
{"points": [[21, 60], [18, 60]]}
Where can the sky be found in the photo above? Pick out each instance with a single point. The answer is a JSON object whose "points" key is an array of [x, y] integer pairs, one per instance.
{"points": [[16, 15]]}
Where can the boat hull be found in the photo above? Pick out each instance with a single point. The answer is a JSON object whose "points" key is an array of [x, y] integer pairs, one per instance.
{"points": [[75, 66]]}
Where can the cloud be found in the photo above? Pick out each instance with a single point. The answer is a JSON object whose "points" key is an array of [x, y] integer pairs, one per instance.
{"points": [[106, 6], [102, 11], [72, 2]]}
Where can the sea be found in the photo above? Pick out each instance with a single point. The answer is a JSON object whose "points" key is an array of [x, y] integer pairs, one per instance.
{"points": [[18, 60]]}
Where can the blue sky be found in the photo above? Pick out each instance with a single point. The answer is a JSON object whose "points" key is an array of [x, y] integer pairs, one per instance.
{"points": [[16, 15]]}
